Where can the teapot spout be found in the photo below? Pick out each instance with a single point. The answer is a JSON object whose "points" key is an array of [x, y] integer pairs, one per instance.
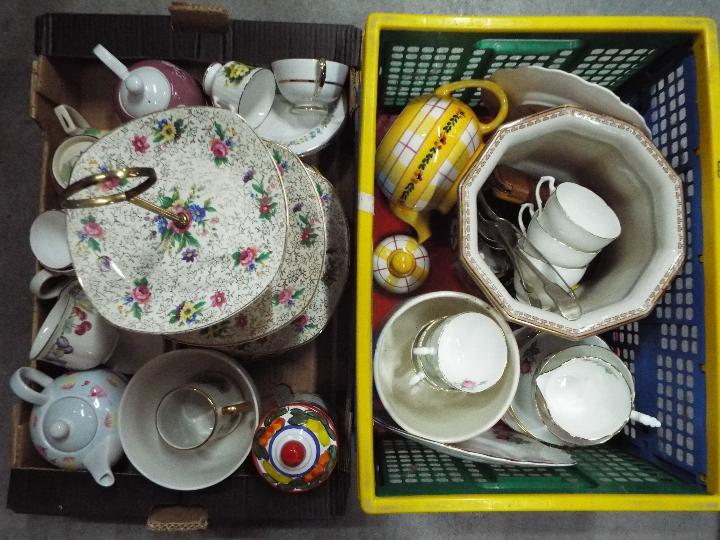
{"points": [[99, 460]]}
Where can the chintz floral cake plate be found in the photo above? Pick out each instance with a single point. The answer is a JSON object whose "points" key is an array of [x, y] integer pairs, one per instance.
{"points": [[147, 274], [313, 321], [294, 285]]}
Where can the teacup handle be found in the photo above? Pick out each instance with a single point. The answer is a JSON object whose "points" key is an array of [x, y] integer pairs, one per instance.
{"points": [[320, 75], [551, 186], [523, 207], [236, 409], [23, 390]]}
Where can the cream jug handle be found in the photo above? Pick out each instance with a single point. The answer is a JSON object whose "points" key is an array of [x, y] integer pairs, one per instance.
{"points": [[23, 390]]}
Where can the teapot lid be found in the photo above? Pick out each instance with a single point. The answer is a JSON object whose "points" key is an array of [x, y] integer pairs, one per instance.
{"points": [[295, 447], [69, 424], [145, 90]]}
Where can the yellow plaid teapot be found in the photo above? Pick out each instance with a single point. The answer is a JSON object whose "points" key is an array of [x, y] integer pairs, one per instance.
{"points": [[427, 150]]}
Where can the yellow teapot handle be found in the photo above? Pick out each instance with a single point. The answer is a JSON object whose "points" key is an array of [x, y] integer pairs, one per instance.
{"points": [[446, 90]]}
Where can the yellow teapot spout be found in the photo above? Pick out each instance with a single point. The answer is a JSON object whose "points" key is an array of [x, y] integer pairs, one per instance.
{"points": [[417, 220]]}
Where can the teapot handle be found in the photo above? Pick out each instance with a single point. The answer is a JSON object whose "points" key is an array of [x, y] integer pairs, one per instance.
{"points": [[23, 390], [446, 89]]}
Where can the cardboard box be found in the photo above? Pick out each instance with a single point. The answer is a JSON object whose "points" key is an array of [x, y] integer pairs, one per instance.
{"points": [[65, 71]]}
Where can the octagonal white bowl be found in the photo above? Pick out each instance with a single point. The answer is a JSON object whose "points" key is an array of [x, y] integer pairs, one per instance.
{"points": [[619, 163]]}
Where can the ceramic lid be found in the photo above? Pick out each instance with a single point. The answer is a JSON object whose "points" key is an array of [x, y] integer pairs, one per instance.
{"points": [[69, 424], [295, 447], [400, 264], [146, 90]]}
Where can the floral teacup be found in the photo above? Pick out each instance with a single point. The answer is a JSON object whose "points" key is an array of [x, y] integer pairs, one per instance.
{"points": [[246, 90], [73, 334]]}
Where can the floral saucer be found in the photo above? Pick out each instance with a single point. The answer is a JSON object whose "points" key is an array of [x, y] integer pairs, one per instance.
{"points": [[304, 133], [146, 274], [313, 321], [299, 275]]}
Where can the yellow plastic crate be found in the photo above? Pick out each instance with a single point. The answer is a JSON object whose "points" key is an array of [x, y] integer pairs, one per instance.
{"points": [[558, 42]]}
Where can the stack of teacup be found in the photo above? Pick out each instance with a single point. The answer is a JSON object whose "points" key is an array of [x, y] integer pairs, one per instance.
{"points": [[569, 231]]}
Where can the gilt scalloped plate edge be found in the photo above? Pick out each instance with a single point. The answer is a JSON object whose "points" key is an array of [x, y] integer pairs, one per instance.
{"points": [[294, 285], [145, 274], [313, 321]]}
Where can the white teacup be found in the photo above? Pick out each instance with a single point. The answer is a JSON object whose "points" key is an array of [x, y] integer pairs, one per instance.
{"points": [[48, 241], [555, 251], [246, 90], [74, 335], [67, 155], [579, 218], [45, 284], [205, 409], [310, 83], [465, 352]]}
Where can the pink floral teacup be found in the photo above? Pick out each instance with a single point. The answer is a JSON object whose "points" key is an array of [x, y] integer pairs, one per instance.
{"points": [[73, 334]]}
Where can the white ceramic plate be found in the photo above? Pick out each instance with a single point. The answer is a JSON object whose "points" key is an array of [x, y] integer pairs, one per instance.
{"points": [[531, 89], [422, 410], [304, 134], [144, 274], [150, 455], [313, 321], [522, 415], [497, 446], [294, 285]]}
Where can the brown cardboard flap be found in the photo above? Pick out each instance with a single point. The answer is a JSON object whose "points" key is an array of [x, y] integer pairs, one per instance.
{"points": [[177, 519], [188, 17]]}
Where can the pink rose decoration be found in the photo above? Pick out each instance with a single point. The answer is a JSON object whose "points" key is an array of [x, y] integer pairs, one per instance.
{"points": [[140, 143], [93, 230], [285, 295], [141, 294], [83, 327], [79, 313], [306, 234], [301, 322], [247, 256], [180, 210], [265, 205], [219, 148], [218, 299], [110, 184]]}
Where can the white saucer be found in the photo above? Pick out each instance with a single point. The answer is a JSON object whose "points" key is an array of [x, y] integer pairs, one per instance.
{"points": [[422, 410], [497, 446], [160, 463], [531, 89], [306, 133]]}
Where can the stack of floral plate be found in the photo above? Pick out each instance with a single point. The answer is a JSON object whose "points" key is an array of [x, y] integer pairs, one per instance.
{"points": [[262, 261]]}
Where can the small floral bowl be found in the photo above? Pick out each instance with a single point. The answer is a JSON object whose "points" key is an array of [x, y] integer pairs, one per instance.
{"points": [[74, 335]]}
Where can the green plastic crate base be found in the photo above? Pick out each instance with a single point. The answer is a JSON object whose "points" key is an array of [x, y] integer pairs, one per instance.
{"points": [[407, 468]]}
